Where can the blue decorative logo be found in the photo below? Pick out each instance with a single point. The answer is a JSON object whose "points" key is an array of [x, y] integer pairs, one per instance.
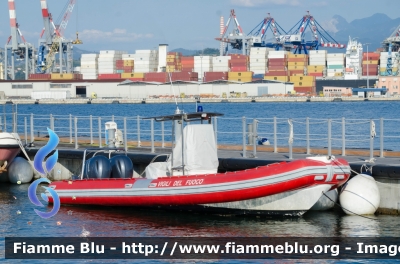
{"points": [[35, 200], [38, 165]]}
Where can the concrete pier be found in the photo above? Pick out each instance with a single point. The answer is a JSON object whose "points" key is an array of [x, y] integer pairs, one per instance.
{"points": [[256, 99]]}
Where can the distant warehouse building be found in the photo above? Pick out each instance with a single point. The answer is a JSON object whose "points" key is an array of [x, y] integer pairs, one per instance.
{"points": [[139, 89]]}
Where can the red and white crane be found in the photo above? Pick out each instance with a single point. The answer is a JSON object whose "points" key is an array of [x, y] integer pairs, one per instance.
{"points": [[55, 41], [236, 38], [16, 46]]}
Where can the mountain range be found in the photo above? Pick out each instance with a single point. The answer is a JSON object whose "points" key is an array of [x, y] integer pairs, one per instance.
{"points": [[373, 29]]}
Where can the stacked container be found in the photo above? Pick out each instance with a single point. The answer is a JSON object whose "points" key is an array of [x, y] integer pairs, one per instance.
{"points": [[281, 76], [133, 76], [335, 64], [174, 62], [258, 60], [119, 66], [304, 84], [39, 76], [277, 66], [202, 64], [215, 76], [317, 63], [89, 66], [66, 76], [107, 62], [184, 76], [238, 63], [370, 64], [145, 61], [384, 61], [297, 63], [277, 60], [187, 63], [246, 76], [221, 63], [128, 63], [161, 77]]}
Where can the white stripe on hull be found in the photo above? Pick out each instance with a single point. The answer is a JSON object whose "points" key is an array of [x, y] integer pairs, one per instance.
{"points": [[201, 189], [297, 200]]}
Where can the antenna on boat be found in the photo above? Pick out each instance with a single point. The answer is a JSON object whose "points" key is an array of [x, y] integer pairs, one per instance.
{"points": [[177, 126], [177, 111]]}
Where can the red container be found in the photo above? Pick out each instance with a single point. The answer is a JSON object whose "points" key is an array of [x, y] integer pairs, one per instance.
{"points": [[128, 68], [78, 76], [119, 63], [214, 78], [238, 57], [305, 89], [184, 76], [237, 64], [277, 73], [293, 72], [277, 60], [316, 74], [238, 69], [136, 79], [40, 76], [371, 56], [215, 73], [119, 67], [109, 76], [276, 68], [276, 63], [157, 77]]}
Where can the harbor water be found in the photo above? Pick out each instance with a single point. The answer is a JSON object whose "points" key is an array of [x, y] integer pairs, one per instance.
{"points": [[322, 117], [18, 219]]}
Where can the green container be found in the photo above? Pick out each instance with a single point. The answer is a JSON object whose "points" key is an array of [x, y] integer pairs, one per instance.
{"points": [[335, 67]]}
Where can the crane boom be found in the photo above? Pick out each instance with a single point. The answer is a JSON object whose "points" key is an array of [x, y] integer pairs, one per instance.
{"points": [[236, 38], [47, 21], [63, 25]]}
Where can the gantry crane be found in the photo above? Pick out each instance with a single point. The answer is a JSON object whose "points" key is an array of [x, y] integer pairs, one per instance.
{"points": [[320, 38], [236, 39], [392, 44], [54, 42], [259, 33], [17, 47]]}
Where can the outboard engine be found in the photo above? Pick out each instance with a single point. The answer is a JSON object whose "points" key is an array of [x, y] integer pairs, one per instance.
{"points": [[121, 166], [98, 167]]}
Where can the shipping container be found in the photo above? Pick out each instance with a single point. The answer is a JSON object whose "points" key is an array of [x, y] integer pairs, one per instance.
{"points": [[109, 76], [306, 90], [240, 74], [132, 75], [277, 73], [277, 78], [40, 76], [302, 79], [66, 76]]}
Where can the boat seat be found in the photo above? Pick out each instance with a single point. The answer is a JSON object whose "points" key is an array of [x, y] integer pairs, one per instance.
{"points": [[157, 170]]}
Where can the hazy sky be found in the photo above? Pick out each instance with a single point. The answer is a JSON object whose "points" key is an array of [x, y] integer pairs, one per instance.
{"points": [[143, 24]]}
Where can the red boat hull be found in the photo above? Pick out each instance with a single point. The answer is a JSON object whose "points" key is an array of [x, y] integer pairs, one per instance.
{"points": [[214, 189]]}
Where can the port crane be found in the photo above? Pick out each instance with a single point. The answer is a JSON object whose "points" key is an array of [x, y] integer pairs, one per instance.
{"points": [[52, 42], [295, 37], [259, 33], [392, 44], [17, 47], [235, 39]]}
